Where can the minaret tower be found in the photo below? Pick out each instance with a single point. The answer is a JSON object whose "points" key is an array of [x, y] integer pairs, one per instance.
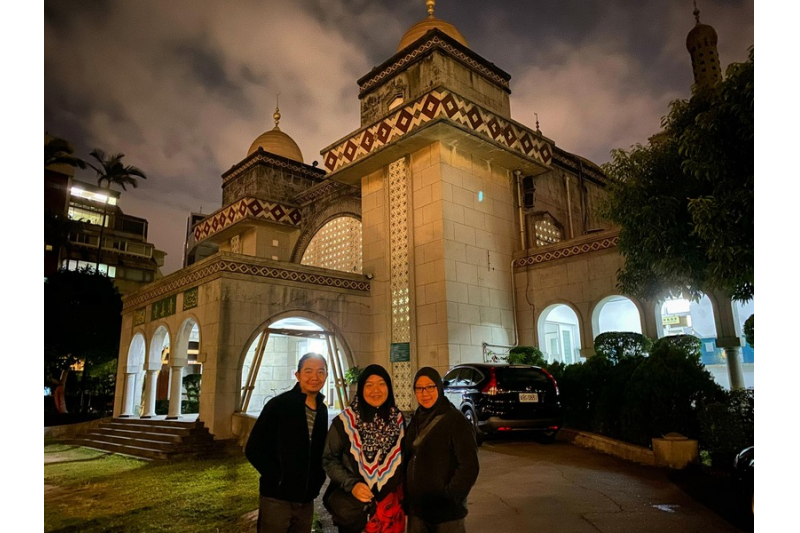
{"points": [[702, 46]]}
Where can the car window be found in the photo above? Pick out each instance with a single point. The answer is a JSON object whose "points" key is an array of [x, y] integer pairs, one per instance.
{"points": [[469, 377], [452, 377], [520, 378]]}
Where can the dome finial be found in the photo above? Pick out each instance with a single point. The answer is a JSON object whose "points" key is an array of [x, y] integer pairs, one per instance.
{"points": [[277, 114], [696, 13], [431, 4]]}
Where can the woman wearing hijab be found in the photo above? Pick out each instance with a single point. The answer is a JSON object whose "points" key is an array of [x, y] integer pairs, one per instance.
{"points": [[441, 460], [363, 456]]}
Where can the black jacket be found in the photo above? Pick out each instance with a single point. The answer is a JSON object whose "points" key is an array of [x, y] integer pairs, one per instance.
{"points": [[278, 447], [442, 470]]}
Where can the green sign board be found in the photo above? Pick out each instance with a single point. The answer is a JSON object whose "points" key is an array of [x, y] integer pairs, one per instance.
{"points": [[400, 352], [163, 308], [190, 299]]}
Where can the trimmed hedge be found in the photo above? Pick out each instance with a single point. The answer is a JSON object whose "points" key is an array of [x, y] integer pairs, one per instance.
{"points": [[635, 389]]}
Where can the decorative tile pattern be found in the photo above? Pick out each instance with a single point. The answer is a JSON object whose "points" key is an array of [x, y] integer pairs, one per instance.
{"points": [[568, 251], [579, 166], [438, 105], [337, 246], [244, 208], [190, 298], [279, 162], [240, 267], [414, 55], [401, 304], [401, 380]]}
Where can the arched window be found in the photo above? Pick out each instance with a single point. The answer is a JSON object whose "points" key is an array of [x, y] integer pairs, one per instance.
{"points": [[559, 334], [337, 246], [616, 313]]}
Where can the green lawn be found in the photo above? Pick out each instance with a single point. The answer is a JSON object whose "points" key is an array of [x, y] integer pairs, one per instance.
{"points": [[93, 491]]}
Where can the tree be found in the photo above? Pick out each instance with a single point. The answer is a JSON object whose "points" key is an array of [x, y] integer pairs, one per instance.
{"points": [[57, 151], [82, 321], [526, 355], [684, 203], [111, 170]]}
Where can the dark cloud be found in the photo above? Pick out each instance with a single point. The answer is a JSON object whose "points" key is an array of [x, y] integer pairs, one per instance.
{"points": [[184, 87]]}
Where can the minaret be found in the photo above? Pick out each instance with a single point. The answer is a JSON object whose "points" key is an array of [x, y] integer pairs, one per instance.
{"points": [[702, 46]]}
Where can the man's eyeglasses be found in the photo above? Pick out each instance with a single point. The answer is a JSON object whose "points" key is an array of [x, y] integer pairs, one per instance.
{"points": [[429, 389]]}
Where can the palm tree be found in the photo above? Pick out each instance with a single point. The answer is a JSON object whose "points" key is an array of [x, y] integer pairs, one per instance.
{"points": [[111, 170], [58, 151]]}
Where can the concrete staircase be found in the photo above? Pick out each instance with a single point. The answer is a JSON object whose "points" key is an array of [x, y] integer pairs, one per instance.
{"points": [[150, 438]]}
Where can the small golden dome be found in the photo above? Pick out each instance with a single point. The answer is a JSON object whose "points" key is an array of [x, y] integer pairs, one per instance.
{"points": [[701, 35], [424, 26], [276, 142]]}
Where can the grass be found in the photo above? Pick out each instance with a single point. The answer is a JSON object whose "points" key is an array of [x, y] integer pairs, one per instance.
{"points": [[95, 491]]}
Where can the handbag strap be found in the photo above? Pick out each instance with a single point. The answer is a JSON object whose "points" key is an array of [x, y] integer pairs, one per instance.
{"points": [[422, 434]]}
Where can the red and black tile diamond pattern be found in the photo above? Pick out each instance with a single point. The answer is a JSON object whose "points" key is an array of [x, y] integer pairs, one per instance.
{"points": [[246, 207], [438, 104]]}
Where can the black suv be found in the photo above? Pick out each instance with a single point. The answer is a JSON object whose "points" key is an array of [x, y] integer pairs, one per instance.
{"points": [[500, 397]]}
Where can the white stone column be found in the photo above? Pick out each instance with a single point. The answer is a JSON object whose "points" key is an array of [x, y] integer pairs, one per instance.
{"points": [[175, 393], [150, 381], [129, 393], [733, 355]]}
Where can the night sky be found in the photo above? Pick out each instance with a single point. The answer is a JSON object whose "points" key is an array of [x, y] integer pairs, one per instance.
{"points": [[182, 87]]}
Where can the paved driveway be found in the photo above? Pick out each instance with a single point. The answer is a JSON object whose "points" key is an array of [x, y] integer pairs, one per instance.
{"points": [[525, 486]]}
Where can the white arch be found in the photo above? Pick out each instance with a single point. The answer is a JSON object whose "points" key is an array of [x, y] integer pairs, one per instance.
{"points": [[134, 373], [559, 333], [616, 313], [283, 352], [159, 343]]}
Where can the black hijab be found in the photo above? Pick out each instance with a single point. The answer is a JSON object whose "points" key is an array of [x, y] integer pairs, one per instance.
{"points": [[422, 415], [365, 410], [380, 431]]}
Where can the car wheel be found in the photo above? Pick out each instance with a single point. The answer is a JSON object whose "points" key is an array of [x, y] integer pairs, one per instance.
{"points": [[548, 436], [469, 414]]}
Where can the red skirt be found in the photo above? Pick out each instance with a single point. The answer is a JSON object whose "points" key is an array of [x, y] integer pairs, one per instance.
{"points": [[389, 516]]}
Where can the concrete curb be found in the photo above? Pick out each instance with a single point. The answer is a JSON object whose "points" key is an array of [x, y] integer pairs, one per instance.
{"points": [[70, 430], [623, 450]]}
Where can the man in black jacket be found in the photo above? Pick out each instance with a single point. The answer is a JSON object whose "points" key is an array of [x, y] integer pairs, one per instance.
{"points": [[285, 446]]}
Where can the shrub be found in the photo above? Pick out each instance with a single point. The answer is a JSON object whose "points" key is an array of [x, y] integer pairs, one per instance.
{"points": [[191, 383], [617, 345], [351, 375], [666, 391], [749, 331], [526, 355], [727, 426]]}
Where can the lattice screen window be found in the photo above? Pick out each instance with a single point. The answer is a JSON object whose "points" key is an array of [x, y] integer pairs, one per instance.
{"points": [[547, 229], [337, 246]]}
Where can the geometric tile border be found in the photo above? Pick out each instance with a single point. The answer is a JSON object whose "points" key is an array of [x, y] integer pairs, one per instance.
{"points": [[246, 207], [239, 267], [444, 105], [275, 161], [367, 83], [567, 251]]}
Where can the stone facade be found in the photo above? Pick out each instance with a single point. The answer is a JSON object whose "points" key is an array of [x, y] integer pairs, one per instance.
{"points": [[459, 230]]}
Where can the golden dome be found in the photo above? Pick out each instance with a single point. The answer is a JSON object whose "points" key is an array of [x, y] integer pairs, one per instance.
{"points": [[276, 142], [424, 26], [701, 35]]}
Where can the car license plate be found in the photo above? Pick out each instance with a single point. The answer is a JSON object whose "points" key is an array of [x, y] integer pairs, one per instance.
{"points": [[528, 397]]}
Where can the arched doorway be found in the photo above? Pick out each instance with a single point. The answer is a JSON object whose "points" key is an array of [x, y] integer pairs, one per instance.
{"points": [[158, 353], [559, 334], [616, 313], [134, 373], [741, 312], [271, 361]]}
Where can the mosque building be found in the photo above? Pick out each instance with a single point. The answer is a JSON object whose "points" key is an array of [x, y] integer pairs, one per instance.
{"points": [[439, 231]]}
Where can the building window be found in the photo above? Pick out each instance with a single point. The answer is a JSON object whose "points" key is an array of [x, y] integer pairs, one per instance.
{"points": [[546, 229], [87, 215], [337, 246], [72, 264]]}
